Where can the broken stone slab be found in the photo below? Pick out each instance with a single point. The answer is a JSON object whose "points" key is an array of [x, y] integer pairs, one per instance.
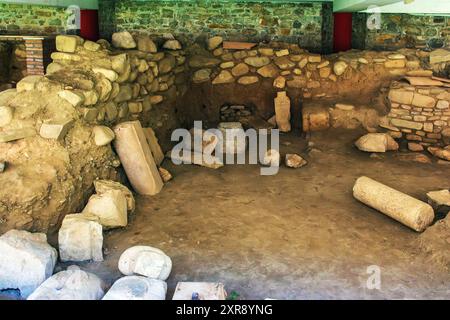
{"points": [[91, 46], [137, 288], [74, 98], [442, 153], [17, 134], [28, 83], [103, 135], [199, 291], [110, 207], [26, 261], [411, 212], [293, 160], [123, 40], [344, 107], [56, 129], [196, 158], [283, 111], [423, 81], [419, 73], [440, 201], [376, 142], [271, 158], [80, 238], [153, 143], [146, 261], [6, 115], [136, 158], [165, 174], [68, 43], [71, 284], [103, 186]]}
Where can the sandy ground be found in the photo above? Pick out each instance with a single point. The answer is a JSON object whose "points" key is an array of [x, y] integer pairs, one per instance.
{"points": [[297, 235]]}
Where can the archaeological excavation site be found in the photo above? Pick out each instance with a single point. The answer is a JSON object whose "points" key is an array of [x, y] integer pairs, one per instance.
{"points": [[224, 150]]}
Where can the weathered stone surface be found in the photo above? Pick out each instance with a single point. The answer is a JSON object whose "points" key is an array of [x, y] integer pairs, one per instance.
{"points": [[293, 160], [376, 142], [325, 72], [203, 62], [214, 42], [282, 52], [153, 143], [283, 111], [421, 100], [406, 124], [16, 134], [166, 176], [103, 135], [314, 58], [103, 186], [74, 98], [56, 129], [279, 82], [111, 75], [340, 67], [439, 200], [80, 238], [271, 158], [302, 63], [284, 63], [240, 69], [440, 153], [296, 82], [91, 46], [344, 107], [443, 104], [395, 64], [204, 290], [72, 284], [223, 77], [119, 63], [201, 75], [63, 57], [146, 44], [401, 96], [227, 65], [146, 261], [67, 43], [257, 62], [28, 83], [6, 115], [246, 80], [167, 64], [137, 288], [172, 45], [411, 212], [268, 71], [415, 147], [136, 157], [26, 260], [110, 207], [266, 51], [439, 56], [123, 40]]}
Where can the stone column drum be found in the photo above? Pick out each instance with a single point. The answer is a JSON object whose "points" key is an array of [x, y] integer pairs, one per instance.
{"points": [[411, 212]]}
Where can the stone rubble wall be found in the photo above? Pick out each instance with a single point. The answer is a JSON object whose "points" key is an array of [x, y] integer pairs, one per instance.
{"points": [[420, 114]]}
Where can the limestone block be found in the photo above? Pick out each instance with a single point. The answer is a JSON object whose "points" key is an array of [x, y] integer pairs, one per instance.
{"points": [[421, 100], [439, 200], [110, 207], [103, 186], [395, 64], [28, 83], [204, 290], [293, 160], [63, 57], [56, 129], [119, 63], [411, 212], [166, 176], [246, 80], [439, 56], [146, 44], [16, 134], [80, 238], [111, 75], [266, 51], [123, 40], [240, 69], [90, 97], [26, 260], [201, 75], [283, 111], [125, 93], [137, 288], [376, 142], [443, 154], [68, 43], [74, 98], [284, 63], [167, 64], [406, 124], [223, 77], [257, 62], [91, 46], [315, 119], [153, 143], [146, 261], [103, 135], [72, 284], [279, 82], [172, 45], [340, 67], [214, 42], [136, 158], [6, 115]]}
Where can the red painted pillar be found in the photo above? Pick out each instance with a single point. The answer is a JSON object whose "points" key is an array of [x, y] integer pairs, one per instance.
{"points": [[89, 24], [342, 31]]}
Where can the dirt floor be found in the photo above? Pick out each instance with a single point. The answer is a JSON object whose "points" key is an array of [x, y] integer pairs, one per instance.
{"points": [[297, 235]]}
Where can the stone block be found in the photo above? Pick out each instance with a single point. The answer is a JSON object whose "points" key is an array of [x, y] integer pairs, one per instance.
{"points": [[283, 111], [204, 291], [153, 143], [103, 135], [423, 101], [28, 83], [110, 207], [6, 115], [56, 129], [16, 134], [137, 288], [146, 261], [68, 43], [74, 98]]}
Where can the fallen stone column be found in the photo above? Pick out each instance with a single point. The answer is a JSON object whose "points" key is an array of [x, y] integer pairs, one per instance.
{"points": [[136, 157], [411, 212]]}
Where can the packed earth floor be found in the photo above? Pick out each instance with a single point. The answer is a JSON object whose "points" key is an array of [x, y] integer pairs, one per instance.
{"points": [[297, 235]]}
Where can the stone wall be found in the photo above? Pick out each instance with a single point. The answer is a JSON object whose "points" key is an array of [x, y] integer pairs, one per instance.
{"points": [[287, 21], [31, 19], [403, 30]]}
